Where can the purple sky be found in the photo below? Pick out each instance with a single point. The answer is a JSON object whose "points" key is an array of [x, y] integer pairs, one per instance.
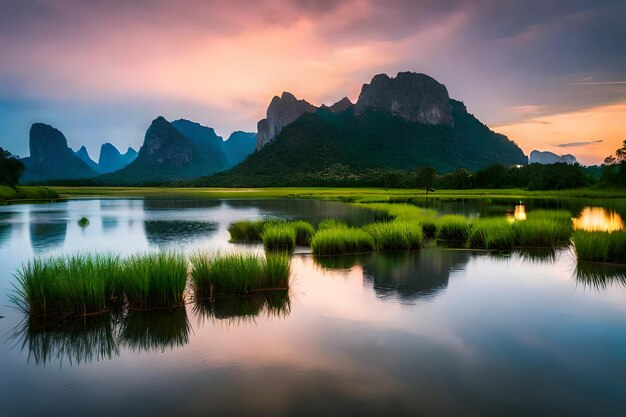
{"points": [[101, 71]]}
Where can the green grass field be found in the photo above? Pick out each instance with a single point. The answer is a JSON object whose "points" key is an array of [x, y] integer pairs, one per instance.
{"points": [[26, 193], [341, 194]]}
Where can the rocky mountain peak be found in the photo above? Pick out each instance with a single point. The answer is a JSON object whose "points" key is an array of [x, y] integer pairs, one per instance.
{"points": [[282, 111], [412, 96], [51, 158], [112, 160], [341, 105], [83, 155], [547, 157], [45, 142]]}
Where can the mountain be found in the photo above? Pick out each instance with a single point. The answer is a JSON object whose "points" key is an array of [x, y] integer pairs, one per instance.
{"points": [[342, 105], [413, 97], [547, 157], [50, 157], [397, 123], [209, 143], [281, 111], [83, 155], [238, 146], [166, 155], [112, 160]]}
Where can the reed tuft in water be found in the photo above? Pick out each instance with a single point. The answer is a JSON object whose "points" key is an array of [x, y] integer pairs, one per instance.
{"points": [[238, 273], [279, 237], [304, 232], [396, 235], [453, 229], [491, 233], [542, 232], [246, 231], [341, 241], [78, 285], [600, 246], [154, 281]]}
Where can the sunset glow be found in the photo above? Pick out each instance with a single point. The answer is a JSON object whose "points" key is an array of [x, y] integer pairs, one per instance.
{"points": [[598, 219], [111, 68]]}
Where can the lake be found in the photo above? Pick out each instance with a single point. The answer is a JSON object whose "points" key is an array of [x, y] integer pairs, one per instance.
{"points": [[436, 332]]}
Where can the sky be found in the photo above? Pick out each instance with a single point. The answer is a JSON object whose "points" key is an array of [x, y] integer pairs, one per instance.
{"points": [[549, 74]]}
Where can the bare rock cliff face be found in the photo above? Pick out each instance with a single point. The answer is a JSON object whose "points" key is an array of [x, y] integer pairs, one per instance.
{"points": [[51, 158], [412, 96], [282, 111], [547, 157]]}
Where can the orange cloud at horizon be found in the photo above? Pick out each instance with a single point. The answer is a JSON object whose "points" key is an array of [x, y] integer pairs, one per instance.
{"points": [[544, 133]]}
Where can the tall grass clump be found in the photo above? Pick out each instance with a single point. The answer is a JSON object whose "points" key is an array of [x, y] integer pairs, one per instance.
{"points": [[246, 231], [429, 227], [453, 229], [276, 269], [238, 273], [279, 237], [491, 233], [558, 215], [304, 232], [77, 285], [542, 232], [600, 246], [396, 235], [402, 211], [154, 281], [341, 241], [331, 224]]}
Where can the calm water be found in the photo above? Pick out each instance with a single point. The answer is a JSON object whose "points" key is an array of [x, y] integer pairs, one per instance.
{"points": [[435, 332]]}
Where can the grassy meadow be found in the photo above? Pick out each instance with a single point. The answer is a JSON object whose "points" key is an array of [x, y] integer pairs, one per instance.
{"points": [[322, 193], [26, 193]]}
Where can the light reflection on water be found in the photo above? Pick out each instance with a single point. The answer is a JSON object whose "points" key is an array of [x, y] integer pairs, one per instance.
{"points": [[432, 332], [598, 219]]}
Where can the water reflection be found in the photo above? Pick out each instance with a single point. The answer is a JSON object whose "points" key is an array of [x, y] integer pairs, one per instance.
{"points": [[240, 310], [164, 232], [48, 230], [74, 341], [598, 219], [600, 276], [5, 226], [404, 276], [101, 337], [537, 255], [410, 276], [155, 330], [312, 211]]}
